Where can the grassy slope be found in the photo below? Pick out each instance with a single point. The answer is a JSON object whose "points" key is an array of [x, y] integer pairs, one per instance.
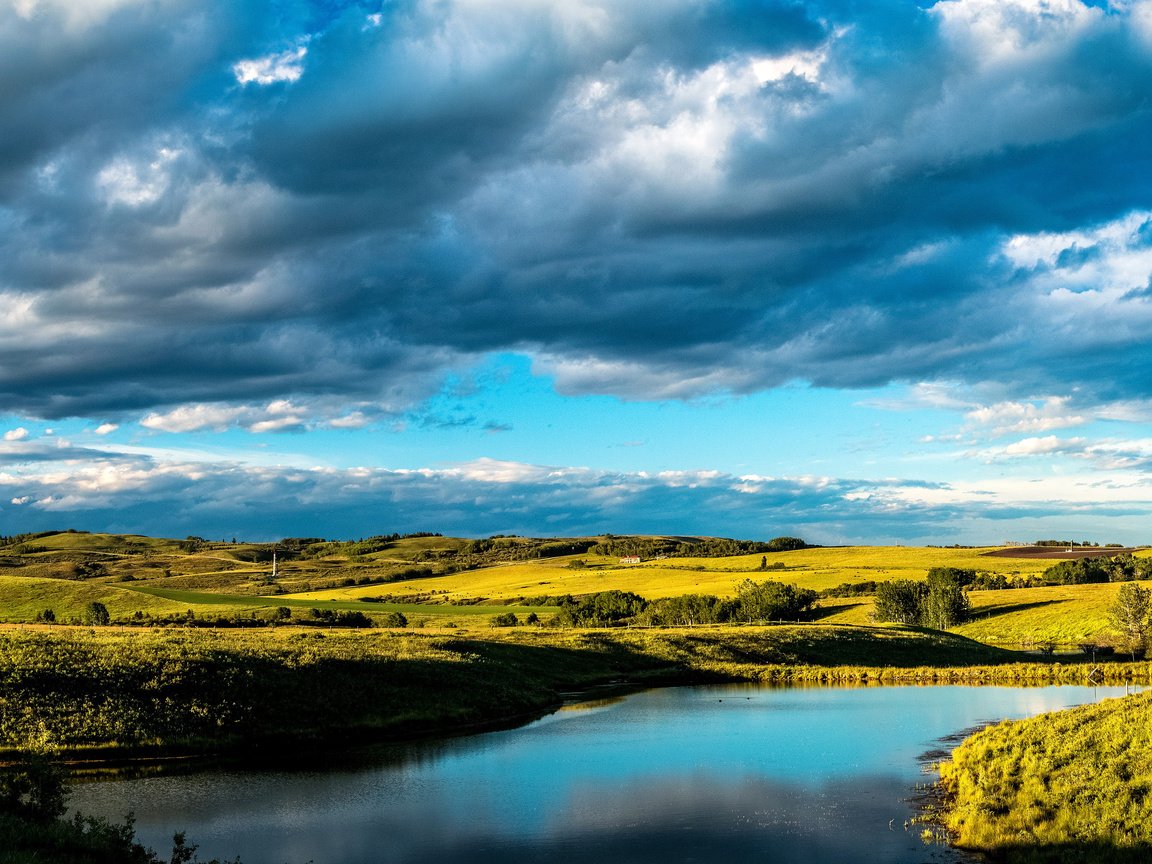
{"points": [[1064, 614], [112, 543], [1068, 786], [22, 598]]}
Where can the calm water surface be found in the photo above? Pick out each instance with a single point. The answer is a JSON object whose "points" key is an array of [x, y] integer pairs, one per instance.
{"points": [[699, 774]]}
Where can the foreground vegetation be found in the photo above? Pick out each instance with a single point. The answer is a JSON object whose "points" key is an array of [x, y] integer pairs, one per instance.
{"points": [[1069, 786]]}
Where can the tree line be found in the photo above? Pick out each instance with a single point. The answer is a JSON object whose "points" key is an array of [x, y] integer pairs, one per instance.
{"points": [[754, 603], [1081, 571], [704, 547]]}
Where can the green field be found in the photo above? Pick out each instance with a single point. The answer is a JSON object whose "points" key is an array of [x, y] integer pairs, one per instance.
{"points": [[807, 568], [439, 582]]}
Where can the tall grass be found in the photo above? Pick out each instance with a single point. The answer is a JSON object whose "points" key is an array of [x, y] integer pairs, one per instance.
{"points": [[1069, 786]]}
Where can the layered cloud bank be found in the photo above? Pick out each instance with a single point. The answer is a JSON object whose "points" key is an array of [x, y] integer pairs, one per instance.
{"points": [[57, 486], [213, 202]]}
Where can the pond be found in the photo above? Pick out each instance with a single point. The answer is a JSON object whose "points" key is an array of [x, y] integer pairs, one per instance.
{"points": [[692, 774]]}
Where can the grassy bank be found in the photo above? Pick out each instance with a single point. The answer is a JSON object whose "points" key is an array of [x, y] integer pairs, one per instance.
{"points": [[108, 691], [1072, 786]]}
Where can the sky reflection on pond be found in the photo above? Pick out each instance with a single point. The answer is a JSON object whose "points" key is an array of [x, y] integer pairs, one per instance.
{"points": [[684, 774]]}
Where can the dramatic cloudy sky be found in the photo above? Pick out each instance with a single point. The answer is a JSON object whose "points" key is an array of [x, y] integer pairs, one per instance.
{"points": [[858, 271]]}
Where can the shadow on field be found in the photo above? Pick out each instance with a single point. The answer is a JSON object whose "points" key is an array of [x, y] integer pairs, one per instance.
{"points": [[1073, 853], [822, 612], [981, 614]]}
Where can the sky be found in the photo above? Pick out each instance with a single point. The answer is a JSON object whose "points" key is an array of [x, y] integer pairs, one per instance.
{"points": [[858, 272]]}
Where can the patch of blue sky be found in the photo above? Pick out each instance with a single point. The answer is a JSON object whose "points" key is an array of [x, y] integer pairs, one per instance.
{"points": [[503, 411]]}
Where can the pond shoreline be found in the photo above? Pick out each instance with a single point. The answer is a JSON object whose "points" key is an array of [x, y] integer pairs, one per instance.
{"points": [[759, 737], [84, 764]]}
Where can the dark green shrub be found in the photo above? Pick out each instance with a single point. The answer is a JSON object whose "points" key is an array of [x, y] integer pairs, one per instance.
{"points": [[95, 614], [394, 619]]}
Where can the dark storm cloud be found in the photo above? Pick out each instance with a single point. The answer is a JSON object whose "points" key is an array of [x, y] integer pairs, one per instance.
{"points": [[222, 203]]}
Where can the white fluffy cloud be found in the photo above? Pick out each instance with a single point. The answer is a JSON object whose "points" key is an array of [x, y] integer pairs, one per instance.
{"points": [[1003, 418], [1041, 446], [285, 66], [278, 416]]}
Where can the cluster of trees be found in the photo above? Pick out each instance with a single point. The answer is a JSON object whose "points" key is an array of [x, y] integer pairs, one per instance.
{"points": [[1080, 571], [687, 610], [17, 539], [331, 618], [1131, 617], [604, 609], [95, 614], [850, 589], [27, 549], [317, 547], [754, 603], [192, 544], [1084, 571], [769, 601], [1071, 543], [524, 549], [939, 602], [1000, 582], [510, 619], [707, 547], [89, 570]]}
